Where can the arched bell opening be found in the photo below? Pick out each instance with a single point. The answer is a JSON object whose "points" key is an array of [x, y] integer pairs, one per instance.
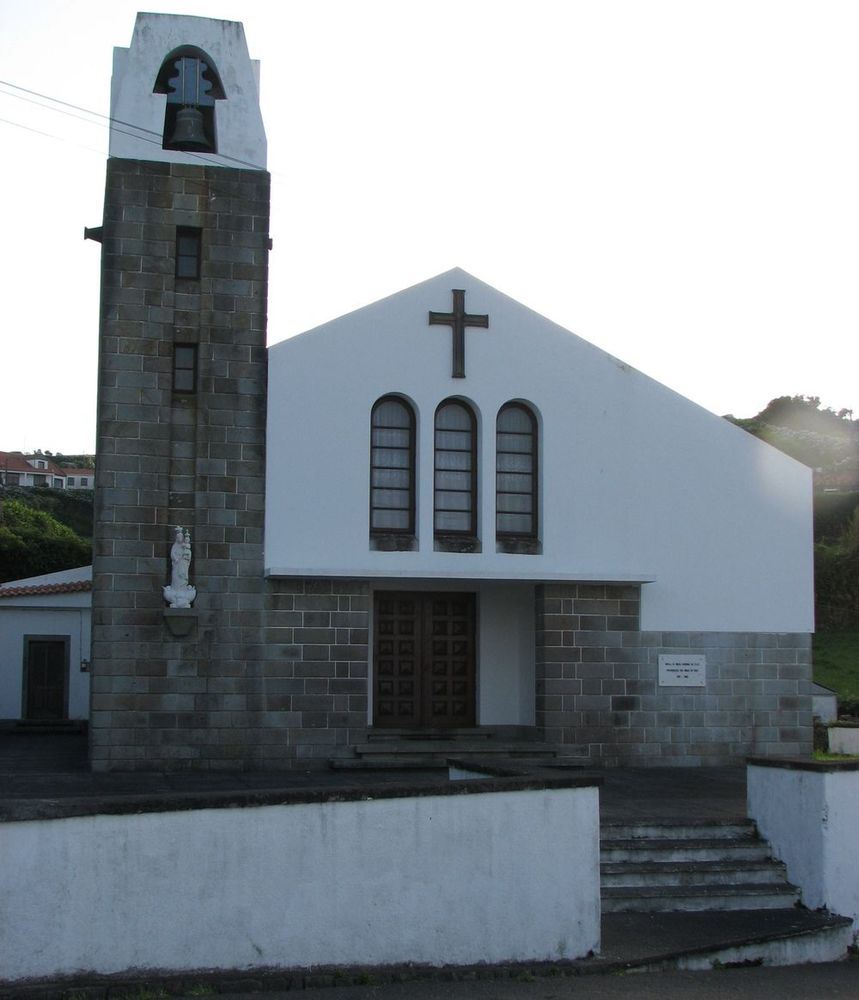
{"points": [[191, 82]]}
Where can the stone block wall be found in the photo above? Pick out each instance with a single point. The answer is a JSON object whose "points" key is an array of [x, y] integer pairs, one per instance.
{"points": [[597, 685], [314, 679], [259, 673]]}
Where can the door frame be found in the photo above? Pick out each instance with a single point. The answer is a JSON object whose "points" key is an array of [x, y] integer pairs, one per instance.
{"points": [[28, 638]]}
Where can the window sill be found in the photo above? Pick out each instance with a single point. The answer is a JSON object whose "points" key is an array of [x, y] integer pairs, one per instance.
{"points": [[457, 543], [393, 543], [519, 546]]}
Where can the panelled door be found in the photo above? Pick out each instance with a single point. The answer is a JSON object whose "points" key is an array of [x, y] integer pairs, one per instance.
{"points": [[424, 660], [45, 672]]}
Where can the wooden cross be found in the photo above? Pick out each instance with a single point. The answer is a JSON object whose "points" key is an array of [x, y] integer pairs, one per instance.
{"points": [[458, 320]]}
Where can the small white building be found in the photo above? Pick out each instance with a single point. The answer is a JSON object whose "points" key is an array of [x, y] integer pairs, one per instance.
{"points": [[45, 646]]}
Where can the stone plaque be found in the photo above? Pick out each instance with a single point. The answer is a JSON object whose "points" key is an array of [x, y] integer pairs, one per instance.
{"points": [[688, 670]]}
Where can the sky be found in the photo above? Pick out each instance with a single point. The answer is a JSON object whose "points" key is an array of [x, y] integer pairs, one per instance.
{"points": [[675, 182]]}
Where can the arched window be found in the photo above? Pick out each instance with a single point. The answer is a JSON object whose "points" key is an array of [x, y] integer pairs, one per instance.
{"points": [[516, 472], [455, 470], [190, 80], [392, 467]]}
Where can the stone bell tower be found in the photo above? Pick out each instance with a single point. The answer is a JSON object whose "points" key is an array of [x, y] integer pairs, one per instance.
{"points": [[181, 399]]}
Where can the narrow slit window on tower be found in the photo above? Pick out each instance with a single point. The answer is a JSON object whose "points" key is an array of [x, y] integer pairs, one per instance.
{"points": [[189, 247], [184, 367]]}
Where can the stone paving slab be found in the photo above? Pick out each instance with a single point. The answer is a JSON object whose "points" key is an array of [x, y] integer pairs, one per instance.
{"points": [[633, 938], [56, 766]]}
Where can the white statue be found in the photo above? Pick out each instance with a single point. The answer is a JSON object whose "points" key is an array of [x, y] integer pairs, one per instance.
{"points": [[179, 593]]}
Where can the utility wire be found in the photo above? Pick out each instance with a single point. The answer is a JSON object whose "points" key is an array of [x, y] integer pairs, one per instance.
{"points": [[139, 131]]}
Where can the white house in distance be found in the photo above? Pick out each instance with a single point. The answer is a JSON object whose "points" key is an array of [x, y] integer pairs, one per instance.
{"points": [[530, 466], [45, 626], [17, 469]]}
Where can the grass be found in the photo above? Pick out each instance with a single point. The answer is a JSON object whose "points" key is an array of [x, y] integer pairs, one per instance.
{"points": [[826, 755], [836, 662]]}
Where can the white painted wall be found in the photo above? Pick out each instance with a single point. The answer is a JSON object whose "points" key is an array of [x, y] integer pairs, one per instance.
{"points": [[811, 819], [637, 483], [505, 666], [843, 739], [496, 876], [139, 113]]}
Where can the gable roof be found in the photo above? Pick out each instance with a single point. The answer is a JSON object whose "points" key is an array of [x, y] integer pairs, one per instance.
{"points": [[47, 588], [14, 461], [66, 581]]}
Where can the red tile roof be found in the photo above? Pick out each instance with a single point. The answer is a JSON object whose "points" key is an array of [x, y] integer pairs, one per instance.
{"points": [[75, 586], [11, 461]]}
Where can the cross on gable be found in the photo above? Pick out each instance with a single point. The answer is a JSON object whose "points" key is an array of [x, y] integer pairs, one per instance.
{"points": [[458, 320]]}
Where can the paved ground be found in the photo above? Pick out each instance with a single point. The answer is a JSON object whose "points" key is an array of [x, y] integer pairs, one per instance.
{"points": [[838, 981], [34, 766]]}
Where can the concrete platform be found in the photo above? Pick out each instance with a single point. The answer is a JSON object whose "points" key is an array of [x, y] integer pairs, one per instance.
{"points": [[54, 767], [51, 765]]}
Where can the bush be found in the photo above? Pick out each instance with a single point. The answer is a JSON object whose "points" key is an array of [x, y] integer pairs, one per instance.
{"points": [[32, 543]]}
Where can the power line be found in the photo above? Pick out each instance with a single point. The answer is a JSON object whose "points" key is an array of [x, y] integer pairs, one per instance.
{"points": [[139, 132], [76, 107]]}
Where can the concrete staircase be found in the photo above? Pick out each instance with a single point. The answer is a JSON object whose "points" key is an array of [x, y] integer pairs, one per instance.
{"points": [[687, 894], [667, 866], [396, 749]]}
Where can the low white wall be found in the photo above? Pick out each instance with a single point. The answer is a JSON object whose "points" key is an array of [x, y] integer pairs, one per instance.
{"points": [[811, 818], [844, 739], [462, 878]]}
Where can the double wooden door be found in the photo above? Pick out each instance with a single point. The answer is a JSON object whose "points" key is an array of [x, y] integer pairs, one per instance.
{"points": [[424, 660]]}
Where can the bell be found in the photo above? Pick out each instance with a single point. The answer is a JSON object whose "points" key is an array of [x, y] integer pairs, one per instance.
{"points": [[189, 132]]}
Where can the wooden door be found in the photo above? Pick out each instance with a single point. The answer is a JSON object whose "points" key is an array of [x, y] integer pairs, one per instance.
{"points": [[424, 660], [45, 672]]}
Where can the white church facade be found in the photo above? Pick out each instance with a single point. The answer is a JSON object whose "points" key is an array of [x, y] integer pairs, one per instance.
{"points": [[439, 514], [545, 467]]}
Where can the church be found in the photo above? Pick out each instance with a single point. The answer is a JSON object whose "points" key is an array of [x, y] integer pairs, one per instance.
{"points": [[440, 516]]}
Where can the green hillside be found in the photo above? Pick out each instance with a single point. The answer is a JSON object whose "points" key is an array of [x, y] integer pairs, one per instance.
{"points": [[43, 531], [828, 441]]}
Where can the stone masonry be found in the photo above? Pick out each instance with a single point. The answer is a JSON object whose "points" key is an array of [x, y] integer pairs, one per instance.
{"points": [[597, 685], [258, 673]]}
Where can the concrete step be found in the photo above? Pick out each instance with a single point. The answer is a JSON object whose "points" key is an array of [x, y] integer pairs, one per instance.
{"points": [[454, 748], [615, 874], [652, 867], [679, 830], [653, 899], [389, 763], [710, 849], [50, 727], [477, 733]]}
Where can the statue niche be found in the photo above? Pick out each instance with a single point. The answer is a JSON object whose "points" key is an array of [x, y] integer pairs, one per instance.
{"points": [[192, 85]]}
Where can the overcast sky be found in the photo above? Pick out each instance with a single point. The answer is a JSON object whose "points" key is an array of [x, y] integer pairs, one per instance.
{"points": [[676, 182]]}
